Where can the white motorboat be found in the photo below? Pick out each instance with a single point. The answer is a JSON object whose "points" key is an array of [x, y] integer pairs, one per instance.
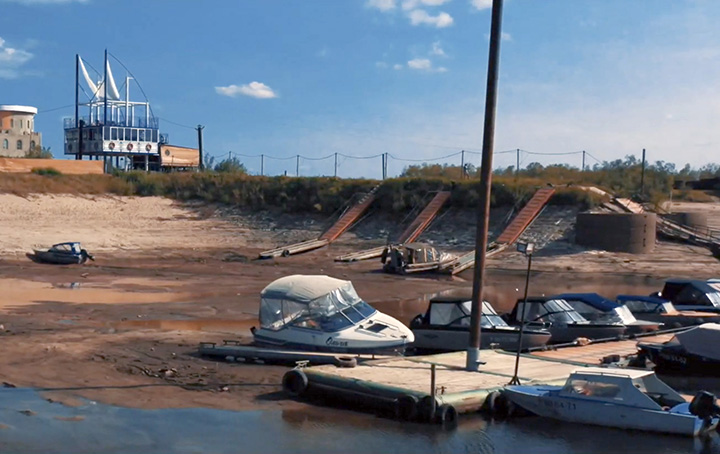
{"points": [[322, 313], [622, 398]]}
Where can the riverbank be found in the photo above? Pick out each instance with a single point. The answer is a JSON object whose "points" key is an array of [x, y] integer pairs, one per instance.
{"points": [[124, 329]]}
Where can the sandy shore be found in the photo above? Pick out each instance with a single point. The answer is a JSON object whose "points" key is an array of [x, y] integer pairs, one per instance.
{"points": [[124, 329]]}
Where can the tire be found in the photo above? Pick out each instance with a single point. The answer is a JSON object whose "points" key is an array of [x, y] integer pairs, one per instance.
{"points": [[446, 415], [285, 253], [406, 407], [498, 405], [426, 410], [345, 361], [295, 383]]}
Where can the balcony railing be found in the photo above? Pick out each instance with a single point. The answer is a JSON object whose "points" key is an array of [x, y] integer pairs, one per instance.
{"points": [[138, 122]]}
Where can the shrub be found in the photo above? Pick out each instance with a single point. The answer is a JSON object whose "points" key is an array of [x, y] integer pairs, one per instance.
{"points": [[46, 171]]}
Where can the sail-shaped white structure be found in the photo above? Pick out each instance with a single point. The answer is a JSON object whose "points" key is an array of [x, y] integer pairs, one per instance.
{"points": [[114, 125]]}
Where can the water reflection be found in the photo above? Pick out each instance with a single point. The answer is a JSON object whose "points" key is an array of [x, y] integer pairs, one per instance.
{"points": [[106, 429]]}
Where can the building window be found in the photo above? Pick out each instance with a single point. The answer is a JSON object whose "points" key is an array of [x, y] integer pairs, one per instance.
{"points": [[20, 124], [32, 145], [19, 145], [6, 144]]}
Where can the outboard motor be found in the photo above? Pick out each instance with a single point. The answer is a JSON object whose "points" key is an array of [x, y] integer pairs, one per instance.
{"points": [[704, 407], [84, 255]]}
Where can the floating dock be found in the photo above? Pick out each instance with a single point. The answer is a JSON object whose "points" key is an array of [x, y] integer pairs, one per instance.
{"points": [[345, 221], [435, 388], [410, 234]]}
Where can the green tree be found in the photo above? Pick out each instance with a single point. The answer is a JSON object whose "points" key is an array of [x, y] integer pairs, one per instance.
{"points": [[39, 153], [231, 165]]}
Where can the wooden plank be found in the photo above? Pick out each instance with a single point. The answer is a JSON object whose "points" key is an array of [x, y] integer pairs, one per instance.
{"points": [[523, 219]]}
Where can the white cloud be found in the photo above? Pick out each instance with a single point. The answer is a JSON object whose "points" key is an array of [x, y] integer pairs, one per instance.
{"points": [[424, 64], [481, 4], [253, 89], [397, 66], [421, 17], [382, 5], [437, 49], [408, 5], [381, 64], [420, 63], [506, 36], [11, 60]]}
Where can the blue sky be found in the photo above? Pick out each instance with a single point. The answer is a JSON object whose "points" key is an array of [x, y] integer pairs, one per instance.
{"points": [[407, 77]]}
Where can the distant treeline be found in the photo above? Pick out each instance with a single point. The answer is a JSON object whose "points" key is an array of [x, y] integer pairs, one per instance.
{"points": [[397, 195]]}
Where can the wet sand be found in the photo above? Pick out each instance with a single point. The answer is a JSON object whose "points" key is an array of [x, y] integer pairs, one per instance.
{"points": [[124, 329]]}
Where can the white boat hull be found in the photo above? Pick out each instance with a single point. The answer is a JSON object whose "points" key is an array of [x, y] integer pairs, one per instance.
{"points": [[675, 421], [354, 339]]}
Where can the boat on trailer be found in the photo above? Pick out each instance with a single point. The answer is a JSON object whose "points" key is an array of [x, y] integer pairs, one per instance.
{"points": [[622, 398], [445, 326], [321, 313], [69, 253]]}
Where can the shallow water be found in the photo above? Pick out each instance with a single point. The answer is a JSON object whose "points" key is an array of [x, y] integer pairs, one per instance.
{"points": [[29, 423]]}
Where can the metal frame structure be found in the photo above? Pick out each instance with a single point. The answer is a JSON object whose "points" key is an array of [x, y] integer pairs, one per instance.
{"points": [[113, 126]]}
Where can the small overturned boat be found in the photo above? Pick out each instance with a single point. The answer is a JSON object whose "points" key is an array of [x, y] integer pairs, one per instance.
{"points": [[563, 322], [597, 308], [321, 313], [691, 352], [445, 326], [622, 398], [69, 253]]}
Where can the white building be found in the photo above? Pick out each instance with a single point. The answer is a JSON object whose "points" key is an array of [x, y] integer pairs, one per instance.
{"points": [[17, 136]]}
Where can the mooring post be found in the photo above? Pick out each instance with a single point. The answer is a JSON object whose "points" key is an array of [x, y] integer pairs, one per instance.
{"points": [[433, 402], [481, 237]]}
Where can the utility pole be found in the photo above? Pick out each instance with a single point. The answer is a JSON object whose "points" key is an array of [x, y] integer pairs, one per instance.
{"points": [[77, 91], [473, 351], [297, 166], [517, 163], [105, 90], [383, 166], [335, 165], [229, 155], [262, 164], [462, 164], [583, 161], [78, 156], [200, 145], [642, 176]]}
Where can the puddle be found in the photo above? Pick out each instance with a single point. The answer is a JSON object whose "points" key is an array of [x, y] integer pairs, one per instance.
{"points": [[205, 325], [19, 292]]}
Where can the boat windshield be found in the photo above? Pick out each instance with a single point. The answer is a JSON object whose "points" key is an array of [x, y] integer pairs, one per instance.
{"points": [[458, 314], [554, 311], [648, 307], [69, 248], [714, 298], [624, 315], [332, 312]]}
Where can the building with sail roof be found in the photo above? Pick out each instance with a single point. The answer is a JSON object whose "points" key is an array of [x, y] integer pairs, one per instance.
{"points": [[109, 124]]}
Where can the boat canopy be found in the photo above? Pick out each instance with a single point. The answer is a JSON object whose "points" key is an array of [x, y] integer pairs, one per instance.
{"points": [[701, 340], [551, 310], [692, 292], [596, 307], [646, 304], [457, 313], [70, 248], [314, 302]]}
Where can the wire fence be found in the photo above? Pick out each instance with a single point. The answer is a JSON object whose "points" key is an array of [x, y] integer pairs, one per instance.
{"points": [[340, 164]]}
